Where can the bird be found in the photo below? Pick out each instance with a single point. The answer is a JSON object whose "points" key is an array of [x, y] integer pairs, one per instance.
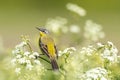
{"points": [[48, 47]]}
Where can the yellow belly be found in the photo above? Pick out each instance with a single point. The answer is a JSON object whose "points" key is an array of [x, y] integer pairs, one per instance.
{"points": [[51, 50]]}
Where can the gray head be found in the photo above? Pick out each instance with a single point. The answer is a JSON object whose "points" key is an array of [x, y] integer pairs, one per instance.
{"points": [[43, 30]]}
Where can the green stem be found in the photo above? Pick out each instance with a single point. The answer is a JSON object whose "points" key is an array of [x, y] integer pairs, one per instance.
{"points": [[29, 47], [44, 59]]}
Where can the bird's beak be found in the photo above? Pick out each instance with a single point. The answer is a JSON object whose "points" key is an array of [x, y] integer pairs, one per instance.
{"points": [[38, 28]]}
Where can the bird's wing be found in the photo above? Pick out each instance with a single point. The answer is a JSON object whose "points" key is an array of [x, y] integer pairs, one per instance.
{"points": [[48, 47], [44, 48], [56, 52]]}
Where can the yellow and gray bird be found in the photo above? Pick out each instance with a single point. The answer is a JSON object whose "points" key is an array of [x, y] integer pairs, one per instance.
{"points": [[48, 47]]}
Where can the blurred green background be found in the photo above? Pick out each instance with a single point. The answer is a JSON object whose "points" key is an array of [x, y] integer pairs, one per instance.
{"points": [[19, 17]]}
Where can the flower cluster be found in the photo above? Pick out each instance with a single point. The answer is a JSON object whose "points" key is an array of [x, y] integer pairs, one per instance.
{"points": [[25, 58], [88, 50], [67, 51], [57, 24], [96, 74], [77, 9], [108, 52], [80, 64], [93, 31]]}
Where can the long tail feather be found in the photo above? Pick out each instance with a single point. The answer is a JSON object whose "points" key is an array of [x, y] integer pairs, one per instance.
{"points": [[54, 64]]}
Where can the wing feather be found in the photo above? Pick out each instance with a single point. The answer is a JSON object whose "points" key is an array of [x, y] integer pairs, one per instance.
{"points": [[43, 48]]}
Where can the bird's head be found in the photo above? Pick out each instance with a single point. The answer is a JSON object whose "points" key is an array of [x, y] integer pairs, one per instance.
{"points": [[43, 31]]}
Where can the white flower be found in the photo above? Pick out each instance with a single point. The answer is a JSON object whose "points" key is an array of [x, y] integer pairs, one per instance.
{"points": [[21, 45], [93, 31], [67, 50], [70, 50], [21, 60], [107, 54], [88, 50], [100, 45], [113, 48], [74, 29], [26, 53], [110, 43], [110, 52], [103, 78], [19, 48], [29, 66], [56, 24], [17, 71], [16, 51], [35, 53], [95, 74], [37, 62], [77, 9], [60, 53], [18, 56], [31, 56], [28, 61]]}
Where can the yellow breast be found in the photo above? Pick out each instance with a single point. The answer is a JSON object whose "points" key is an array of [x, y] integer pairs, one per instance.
{"points": [[51, 50]]}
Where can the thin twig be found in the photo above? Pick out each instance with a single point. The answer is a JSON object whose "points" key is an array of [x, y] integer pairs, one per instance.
{"points": [[44, 59]]}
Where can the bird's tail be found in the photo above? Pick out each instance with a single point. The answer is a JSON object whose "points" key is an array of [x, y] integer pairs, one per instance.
{"points": [[54, 64]]}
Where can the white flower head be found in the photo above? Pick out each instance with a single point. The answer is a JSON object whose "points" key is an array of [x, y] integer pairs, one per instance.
{"points": [[74, 29], [60, 53], [110, 43], [109, 52], [21, 45], [18, 56], [112, 47], [77, 9], [29, 66], [31, 56], [100, 44], [37, 62], [88, 50], [35, 53], [26, 53], [16, 51], [95, 74], [69, 50], [28, 61], [22, 60], [66, 51], [17, 71], [93, 31], [56, 24]]}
